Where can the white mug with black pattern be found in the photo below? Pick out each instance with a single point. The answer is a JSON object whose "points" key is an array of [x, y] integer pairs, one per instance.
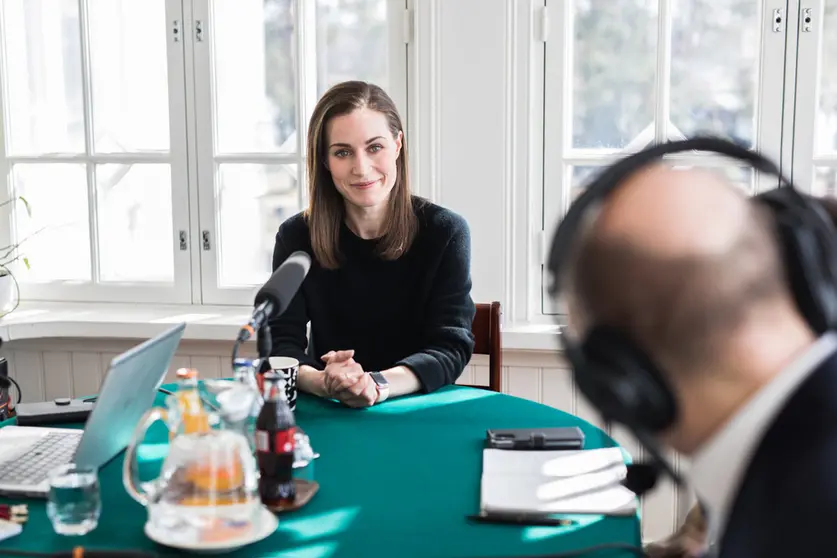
{"points": [[287, 368]]}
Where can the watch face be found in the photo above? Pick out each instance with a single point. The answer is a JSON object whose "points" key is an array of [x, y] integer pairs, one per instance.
{"points": [[379, 379]]}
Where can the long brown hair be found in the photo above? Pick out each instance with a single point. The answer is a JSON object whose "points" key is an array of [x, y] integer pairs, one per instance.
{"points": [[326, 209]]}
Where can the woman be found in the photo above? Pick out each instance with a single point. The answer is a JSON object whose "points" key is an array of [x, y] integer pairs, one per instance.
{"points": [[388, 294]]}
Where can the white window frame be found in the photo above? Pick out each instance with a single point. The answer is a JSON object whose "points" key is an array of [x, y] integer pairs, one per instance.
{"points": [[559, 157], [179, 290], [192, 156], [804, 93], [201, 133]]}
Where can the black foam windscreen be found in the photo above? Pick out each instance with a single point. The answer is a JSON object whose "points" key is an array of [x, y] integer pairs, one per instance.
{"points": [[283, 285], [641, 478]]}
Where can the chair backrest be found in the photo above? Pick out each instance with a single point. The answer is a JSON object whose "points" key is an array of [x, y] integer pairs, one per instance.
{"points": [[488, 341]]}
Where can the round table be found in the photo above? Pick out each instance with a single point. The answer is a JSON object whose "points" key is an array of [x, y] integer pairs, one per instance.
{"points": [[396, 479]]}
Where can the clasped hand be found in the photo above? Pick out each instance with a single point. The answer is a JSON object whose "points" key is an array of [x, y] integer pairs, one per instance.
{"points": [[345, 380]]}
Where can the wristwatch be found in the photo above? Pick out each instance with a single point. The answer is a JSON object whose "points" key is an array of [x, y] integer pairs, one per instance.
{"points": [[382, 384]]}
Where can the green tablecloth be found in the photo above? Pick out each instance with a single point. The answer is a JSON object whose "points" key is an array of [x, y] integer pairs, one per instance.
{"points": [[395, 480]]}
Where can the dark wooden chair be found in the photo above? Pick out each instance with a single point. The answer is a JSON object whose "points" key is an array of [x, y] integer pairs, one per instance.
{"points": [[487, 341]]}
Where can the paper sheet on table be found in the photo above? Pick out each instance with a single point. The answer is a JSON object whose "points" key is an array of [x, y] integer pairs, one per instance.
{"points": [[585, 481]]}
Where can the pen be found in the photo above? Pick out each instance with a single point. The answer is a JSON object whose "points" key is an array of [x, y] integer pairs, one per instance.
{"points": [[521, 519]]}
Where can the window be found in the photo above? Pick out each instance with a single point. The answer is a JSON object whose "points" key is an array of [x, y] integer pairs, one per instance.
{"points": [[260, 67], [622, 75], [160, 143], [815, 127], [94, 140]]}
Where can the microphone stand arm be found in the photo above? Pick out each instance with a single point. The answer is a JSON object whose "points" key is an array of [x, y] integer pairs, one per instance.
{"points": [[265, 347]]}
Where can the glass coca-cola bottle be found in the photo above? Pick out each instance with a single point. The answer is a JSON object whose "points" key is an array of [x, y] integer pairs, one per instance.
{"points": [[274, 437]]}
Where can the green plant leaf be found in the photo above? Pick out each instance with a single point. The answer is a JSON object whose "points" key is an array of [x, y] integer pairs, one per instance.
{"points": [[26, 263], [26, 203]]}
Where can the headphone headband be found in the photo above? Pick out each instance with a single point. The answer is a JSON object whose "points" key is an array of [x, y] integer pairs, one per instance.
{"points": [[614, 176]]}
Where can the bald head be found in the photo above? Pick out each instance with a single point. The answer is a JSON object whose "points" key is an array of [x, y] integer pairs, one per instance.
{"points": [[678, 259], [675, 213]]}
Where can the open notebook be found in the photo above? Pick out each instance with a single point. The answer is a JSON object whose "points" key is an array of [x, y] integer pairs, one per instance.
{"points": [[552, 482]]}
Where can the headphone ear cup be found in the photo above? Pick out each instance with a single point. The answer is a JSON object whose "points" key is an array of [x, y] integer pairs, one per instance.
{"points": [[823, 253], [807, 237], [803, 277], [623, 382]]}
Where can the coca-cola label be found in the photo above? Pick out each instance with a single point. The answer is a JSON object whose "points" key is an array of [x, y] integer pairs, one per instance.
{"points": [[283, 441]]}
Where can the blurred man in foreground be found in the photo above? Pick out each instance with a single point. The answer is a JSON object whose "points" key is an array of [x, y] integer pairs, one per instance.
{"points": [[690, 539], [692, 273]]}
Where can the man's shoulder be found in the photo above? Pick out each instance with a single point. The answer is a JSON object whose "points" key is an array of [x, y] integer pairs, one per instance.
{"points": [[804, 432], [440, 222], [788, 508], [790, 486]]}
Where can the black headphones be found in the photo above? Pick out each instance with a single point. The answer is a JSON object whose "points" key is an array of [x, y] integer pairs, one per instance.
{"points": [[615, 374]]}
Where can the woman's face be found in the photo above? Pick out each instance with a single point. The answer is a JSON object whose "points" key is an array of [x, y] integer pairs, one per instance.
{"points": [[361, 156]]}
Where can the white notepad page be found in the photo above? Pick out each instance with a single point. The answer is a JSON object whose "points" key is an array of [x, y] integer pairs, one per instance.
{"points": [[585, 481], [9, 529]]}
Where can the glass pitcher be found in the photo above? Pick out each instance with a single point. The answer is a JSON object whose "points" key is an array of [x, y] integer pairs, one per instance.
{"points": [[239, 400], [208, 484]]}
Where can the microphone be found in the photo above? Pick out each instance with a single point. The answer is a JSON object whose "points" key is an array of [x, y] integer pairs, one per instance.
{"points": [[658, 463], [276, 294], [641, 478]]}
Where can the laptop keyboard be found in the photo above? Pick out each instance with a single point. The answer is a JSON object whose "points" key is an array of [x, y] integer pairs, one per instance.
{"points": [[54, 449]]}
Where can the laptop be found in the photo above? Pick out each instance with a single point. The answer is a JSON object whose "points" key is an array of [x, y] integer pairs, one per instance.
{"points": [[29, 453]]}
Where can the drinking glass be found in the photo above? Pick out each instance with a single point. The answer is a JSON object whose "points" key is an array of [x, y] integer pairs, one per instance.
{"points": [[74, 502]]}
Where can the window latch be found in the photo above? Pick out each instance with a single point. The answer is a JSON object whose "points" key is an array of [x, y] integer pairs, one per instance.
{"points": [[778, 20]]}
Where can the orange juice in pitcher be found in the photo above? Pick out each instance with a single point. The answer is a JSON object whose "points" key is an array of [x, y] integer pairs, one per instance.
{"points": [[193, 418]]}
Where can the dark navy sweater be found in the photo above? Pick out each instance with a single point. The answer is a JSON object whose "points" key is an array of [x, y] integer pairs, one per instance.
{"points": [[415, 311]]}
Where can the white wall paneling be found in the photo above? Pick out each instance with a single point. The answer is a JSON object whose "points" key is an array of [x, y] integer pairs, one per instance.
{"points": [[61, 367], [475, 121]]}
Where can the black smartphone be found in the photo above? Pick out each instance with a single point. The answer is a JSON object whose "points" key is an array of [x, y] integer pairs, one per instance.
{"points": [[560, 438]]}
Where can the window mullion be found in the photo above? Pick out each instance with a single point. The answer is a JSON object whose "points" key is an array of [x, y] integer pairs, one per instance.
{"points": [[178, 156], [557, 134], [7, 233], [87, 103], [99, 158], [192, 116], [257, 158], [302, 181], [806, 85], [565, 106], [663, 74], [204, 133], [306, 85]]}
